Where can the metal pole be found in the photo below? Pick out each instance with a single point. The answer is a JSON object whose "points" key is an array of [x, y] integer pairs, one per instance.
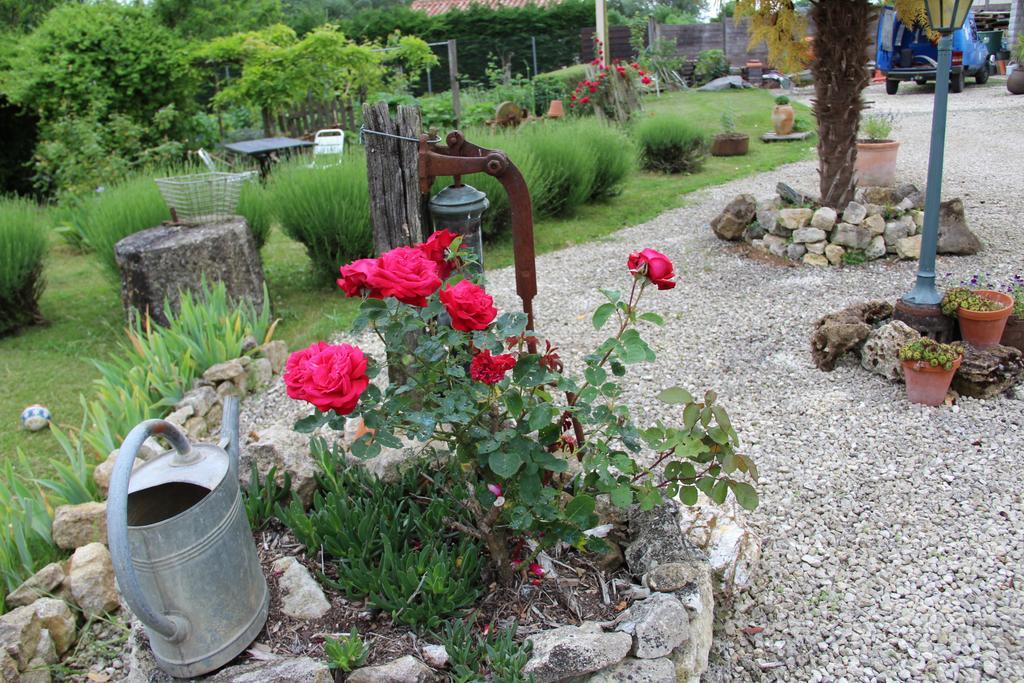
{"points": [[533, 44], [924, 292], [601, 15], [430, 85], [453, 77]]}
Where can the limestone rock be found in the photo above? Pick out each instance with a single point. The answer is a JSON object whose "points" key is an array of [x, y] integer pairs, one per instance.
{"points": [[985, 373], [791, 195], [954, 235], [101, 473], [767, 214], [159, 262], [834, 253], [298, 670], [837, 333], [406, 669], [180, 416], [280, 447], [776, 245], [391, 463], [918, 218], [852, 236], [754, 231], [815, 260], [881, 352], [691, 658], [855, 213], [277, 353], [225, 372], [794, 252], [631, 670], [59, 621], [37, 671], [895, 230], [909, 247], [78, 525], [730, 224], [905, 204], [196, 427], [824, 218], [732, 547], [19, 634], [655, 539], [46, 581], [260, 372], [8, 669], [876, 248], [568, 651], [817, 247], [301, 596], [202, 398], [804, 235], [91, 577], [794, 219], [436, 656], [874, 209], [905, 190], [878, 195], [658, 625], [46, 650], [875, 224]]}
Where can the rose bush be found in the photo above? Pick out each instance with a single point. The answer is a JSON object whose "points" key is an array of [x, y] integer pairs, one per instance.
{"points": [[534, 444]]}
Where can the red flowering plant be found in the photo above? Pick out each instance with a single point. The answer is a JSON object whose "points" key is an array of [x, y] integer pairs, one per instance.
{"points": [[533, 444], [610, 90]]}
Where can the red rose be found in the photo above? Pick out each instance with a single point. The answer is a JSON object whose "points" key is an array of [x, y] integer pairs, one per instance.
{"points": [[646, 80], [593, 89], [653, 265], [436, 249], [490, 369], [329, 377], [470, 307], [353, 278], [584, 100], [406, 274]]}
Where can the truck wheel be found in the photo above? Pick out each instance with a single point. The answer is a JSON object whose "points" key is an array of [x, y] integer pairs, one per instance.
{"points": [[921, 81], [891, 87], [956, 82], [981, 77]]}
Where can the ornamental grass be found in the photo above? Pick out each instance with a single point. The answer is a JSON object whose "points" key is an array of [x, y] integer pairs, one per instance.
{"points": [[670, 144], [22, 249]]}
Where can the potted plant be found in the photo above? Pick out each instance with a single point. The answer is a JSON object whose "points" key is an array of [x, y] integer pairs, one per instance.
{"points": [[928, 368], [876, 152], [1013, 335], [729, 143], [782, 116], [1015, 81], [982, 313]]}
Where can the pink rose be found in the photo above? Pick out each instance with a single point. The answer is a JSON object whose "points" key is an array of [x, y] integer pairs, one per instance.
{"points": [[329, 377], [490, 369], [470, 307], [406, 274], [436, 249], [653, 265], [353, 278]]}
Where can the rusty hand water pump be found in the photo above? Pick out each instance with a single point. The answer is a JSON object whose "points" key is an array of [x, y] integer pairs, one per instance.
{"points": [[182, 548]]}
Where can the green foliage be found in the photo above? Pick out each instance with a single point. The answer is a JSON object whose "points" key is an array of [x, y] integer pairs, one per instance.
{"points": [[932, 353], [781, 100], [854, 257], [877, 127], [614, 155], [145, 377], [327, 210], [962, 297], [22, 250], [473, 654], [263, 496], [711, 64], [23, 15], [206, 19], [256, 204], [391, 543], [569, 167], [347, 652], [556, 85], [670, 144], [728, 123], [101, 219]]}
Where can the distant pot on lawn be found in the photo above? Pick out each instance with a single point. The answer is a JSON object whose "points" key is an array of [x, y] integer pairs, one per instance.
{"points": [[985, 328], [730, 145], [782, 116], [876, 162]]}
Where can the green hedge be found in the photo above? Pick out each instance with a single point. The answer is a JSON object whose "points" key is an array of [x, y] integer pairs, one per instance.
{"points": [[557, 85], [670, 144], [22, 248]]}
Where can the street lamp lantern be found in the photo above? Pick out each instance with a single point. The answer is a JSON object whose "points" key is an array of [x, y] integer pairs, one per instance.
{"points": [[460, 209], [920, 308]]}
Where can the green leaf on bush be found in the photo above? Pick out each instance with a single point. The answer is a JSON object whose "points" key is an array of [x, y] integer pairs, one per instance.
{"points": [[690, 415], [601, 315], [745, 494], [652, 317], [675, 396], [311, 423], [521, 518], [612, 295], [622, 496], [688, 495], [540, 415], [719, 491], [514, 403], [504, 463], [580, 508], [595, 375]]}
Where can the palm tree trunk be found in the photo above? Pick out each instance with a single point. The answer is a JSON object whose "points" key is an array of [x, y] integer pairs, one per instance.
{"points": [[840, 75]]}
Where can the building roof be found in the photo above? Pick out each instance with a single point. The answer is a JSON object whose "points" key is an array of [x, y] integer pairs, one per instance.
{"points": [[435, 7]]}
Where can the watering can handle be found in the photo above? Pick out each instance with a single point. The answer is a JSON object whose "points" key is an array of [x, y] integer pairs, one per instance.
{"points": [[171, 626], [229, 434]]}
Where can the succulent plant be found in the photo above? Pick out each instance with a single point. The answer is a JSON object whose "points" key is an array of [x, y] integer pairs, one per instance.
{"points": [[931, 352], [781, 99], [962, 297]]}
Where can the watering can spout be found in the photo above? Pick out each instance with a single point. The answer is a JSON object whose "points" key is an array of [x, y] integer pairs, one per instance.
{"points": [[229, 433]]}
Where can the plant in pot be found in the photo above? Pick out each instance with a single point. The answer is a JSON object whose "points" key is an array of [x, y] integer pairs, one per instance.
{"points": [[982, 313], [1013, 335], [876, 152], [782, 116], [928, 368], [1015, 81], [729, 143]]}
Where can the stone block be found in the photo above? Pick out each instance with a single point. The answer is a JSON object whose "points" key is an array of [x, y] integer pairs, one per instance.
{"points": [[804, 235], [852, 236]]}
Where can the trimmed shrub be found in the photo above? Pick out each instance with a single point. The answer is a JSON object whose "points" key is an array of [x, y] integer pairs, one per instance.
{"points": [[327, 210], [670, 144], [614, 154], [561, 149], [22, 248], [257, 206], [711, 64]]}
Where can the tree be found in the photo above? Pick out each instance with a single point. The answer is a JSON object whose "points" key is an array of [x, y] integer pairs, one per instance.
{"points": [[24, 15], [206, 19], [839, 65]]}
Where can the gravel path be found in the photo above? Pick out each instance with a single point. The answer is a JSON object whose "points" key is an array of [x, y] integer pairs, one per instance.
{"points": [[893, 534]]}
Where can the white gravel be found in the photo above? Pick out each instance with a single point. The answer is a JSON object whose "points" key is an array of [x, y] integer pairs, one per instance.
{"points": [[893, 534]]}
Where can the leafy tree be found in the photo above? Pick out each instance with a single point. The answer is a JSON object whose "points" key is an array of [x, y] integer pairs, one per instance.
{"points": [[206, 19], [839, 64], [305, 15], [23, 15]]}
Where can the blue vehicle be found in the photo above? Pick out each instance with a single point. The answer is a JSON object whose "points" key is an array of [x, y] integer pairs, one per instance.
{"points": [[908, 54]]}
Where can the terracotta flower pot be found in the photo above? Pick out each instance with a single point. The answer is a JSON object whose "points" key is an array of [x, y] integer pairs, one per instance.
{"points": [[556, 110], [876, 163], [782, 119], [985, 328], [730, 145], [1013, 335], [927, 385]]}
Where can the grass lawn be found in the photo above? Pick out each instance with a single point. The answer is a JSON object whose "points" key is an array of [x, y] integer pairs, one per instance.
{"points": [[50, 365]]}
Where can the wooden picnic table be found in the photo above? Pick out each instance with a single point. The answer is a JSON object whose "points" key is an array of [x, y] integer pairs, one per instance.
{"points": [[265, 149]]}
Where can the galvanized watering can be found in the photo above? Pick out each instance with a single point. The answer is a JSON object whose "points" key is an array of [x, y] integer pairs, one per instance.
{"points": [[182, 548]]}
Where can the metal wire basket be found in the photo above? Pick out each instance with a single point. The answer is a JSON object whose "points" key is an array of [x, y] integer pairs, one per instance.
{"points": [[202, 197]]}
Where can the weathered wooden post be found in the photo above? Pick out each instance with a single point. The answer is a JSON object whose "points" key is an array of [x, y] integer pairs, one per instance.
{"points": [[392, 167], [453, 80]]}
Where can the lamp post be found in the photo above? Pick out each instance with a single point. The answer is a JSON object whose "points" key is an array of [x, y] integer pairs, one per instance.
{"points": [[920, 308], [460, 208]]}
